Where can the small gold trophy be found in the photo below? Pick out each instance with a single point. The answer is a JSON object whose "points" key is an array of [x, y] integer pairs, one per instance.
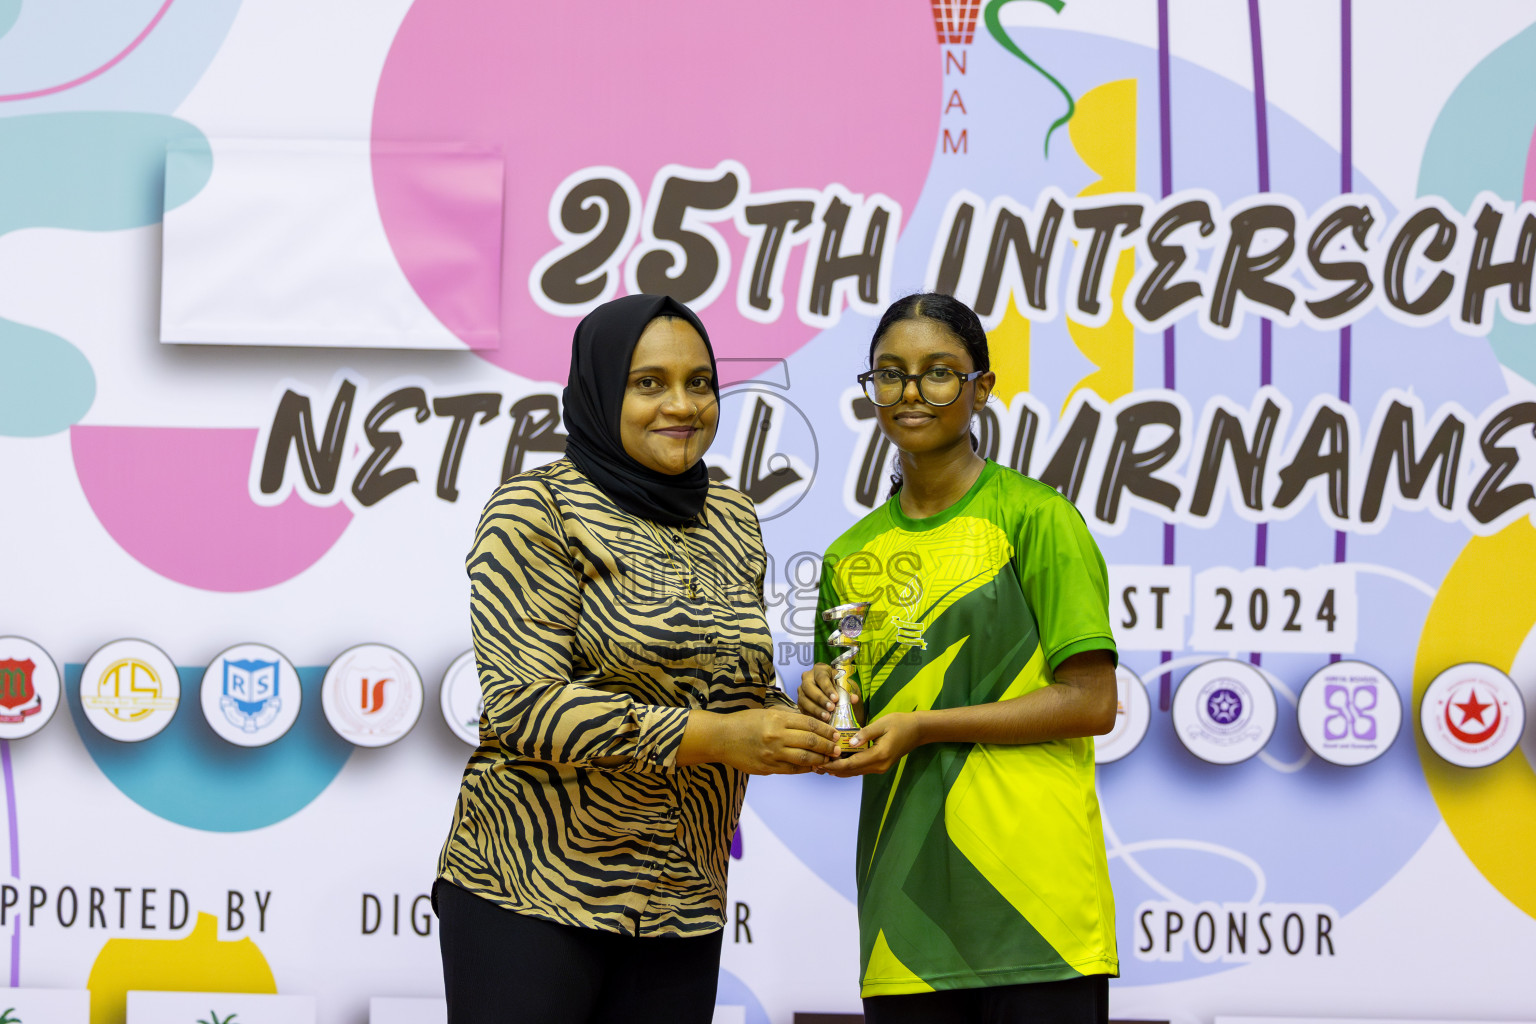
{"points": [[850, 623]]}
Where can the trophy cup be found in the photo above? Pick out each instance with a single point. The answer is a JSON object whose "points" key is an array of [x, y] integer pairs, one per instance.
{"points": [[850, 623]]}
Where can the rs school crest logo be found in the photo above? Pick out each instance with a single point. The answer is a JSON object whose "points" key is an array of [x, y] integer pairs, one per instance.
{"points": [[251, 695]]}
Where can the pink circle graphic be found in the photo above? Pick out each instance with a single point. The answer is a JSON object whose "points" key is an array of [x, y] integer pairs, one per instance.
{"points": [[178, 501], [803, 93]]}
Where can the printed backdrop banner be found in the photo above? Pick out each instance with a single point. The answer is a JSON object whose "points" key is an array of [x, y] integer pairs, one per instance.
{"points": [[286, 289]]}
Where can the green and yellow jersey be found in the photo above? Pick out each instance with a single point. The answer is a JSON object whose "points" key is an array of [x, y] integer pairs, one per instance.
{"points": [[978, 864]]}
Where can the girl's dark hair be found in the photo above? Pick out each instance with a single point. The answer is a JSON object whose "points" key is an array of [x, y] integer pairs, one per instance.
{"points": [[954, 315], [947, 310]]}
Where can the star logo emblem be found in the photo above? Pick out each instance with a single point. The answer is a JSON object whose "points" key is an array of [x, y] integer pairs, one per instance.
{"points": [[1471, 709], [1472, 714], [1474, 728], [1224, 706]]}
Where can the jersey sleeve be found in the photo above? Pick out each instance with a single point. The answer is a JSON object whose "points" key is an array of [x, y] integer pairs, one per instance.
{"points": [[1065, 581]]}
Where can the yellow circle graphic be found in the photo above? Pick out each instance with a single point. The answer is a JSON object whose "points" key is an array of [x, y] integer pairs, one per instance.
{"points": [[1484, 610], [198, 962]]}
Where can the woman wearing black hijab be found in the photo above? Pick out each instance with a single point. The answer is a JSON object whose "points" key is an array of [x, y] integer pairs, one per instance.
{"points": [[627, 670]]}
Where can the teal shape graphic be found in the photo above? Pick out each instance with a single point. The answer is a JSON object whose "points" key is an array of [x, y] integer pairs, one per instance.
{"points": [[1483, 141], [92, 172], [10, 10], [188, 775], [48, 385]]}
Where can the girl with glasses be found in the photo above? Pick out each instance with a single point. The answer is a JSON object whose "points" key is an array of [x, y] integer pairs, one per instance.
{"points": [[985, 666]]}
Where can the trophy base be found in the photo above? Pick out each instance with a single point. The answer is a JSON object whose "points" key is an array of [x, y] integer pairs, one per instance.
{"points": [[847, 735]]}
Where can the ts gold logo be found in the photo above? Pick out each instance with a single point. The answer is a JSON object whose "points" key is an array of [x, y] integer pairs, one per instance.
{"points": [[130, 690]]}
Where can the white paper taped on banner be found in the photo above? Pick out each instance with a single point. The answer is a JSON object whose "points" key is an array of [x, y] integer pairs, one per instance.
{"points": [[235, 274], [219, 1008]]}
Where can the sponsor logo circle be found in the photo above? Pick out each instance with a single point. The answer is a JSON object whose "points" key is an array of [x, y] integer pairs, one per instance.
{"points": [[1224, 711], [129, 690], [1132, 716], [1472, 715], [461, 699], [251, 695], [1349, 713], [29, 687], [372, 695]]}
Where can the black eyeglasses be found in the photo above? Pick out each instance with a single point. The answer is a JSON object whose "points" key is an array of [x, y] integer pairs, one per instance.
{"points": [[938, 386]]}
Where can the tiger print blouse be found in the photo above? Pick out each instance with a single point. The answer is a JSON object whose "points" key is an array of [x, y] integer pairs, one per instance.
{"points": [[591, 653]]}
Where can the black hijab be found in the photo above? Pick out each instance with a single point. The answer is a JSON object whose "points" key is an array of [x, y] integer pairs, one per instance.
{"points": [[600, 357]]}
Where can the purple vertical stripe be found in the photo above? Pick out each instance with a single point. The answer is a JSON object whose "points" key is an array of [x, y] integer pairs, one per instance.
{"points": [[1346, 185], [1344, 361], [1346, 162], [10, 817], [1164, 96], [1260, 112], [1170, 347], [1261, 133], [1266, 329], [10, 807], [1260, 557], [1266, 350], [1346, 92]]}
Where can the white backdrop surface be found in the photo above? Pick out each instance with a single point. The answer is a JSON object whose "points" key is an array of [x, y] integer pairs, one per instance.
{"points": [[141, 502]]}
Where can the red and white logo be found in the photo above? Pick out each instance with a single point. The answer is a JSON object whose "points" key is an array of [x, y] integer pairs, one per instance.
{"points": [[954, 21], [372, 695], [1472, 715], [29, 687]]}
